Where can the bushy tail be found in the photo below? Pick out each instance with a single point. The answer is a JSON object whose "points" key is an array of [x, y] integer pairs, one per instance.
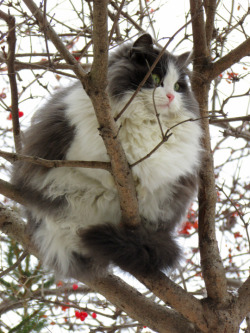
{"points": [[135, 251]]}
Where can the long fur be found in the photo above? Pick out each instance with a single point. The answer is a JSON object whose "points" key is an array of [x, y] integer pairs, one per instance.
{"points": [[74, 213], [135, 250]]}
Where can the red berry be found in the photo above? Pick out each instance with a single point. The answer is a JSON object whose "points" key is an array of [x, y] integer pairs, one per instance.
{"points": [[20, 114], [75, 286], [77, 314]]}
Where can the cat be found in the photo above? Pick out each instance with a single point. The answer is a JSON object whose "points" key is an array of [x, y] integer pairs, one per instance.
{"points": [[73, 214]]}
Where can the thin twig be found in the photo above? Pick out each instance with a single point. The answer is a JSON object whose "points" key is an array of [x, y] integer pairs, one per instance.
{"points": [[11, 268], [45, 33], [239, 214], [227, 120], [166, 136], [116, 20], [157, 114], [11, 39], [12, 157]]}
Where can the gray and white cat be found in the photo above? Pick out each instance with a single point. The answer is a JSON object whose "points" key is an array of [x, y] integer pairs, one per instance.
{"points": [[74, 213]]}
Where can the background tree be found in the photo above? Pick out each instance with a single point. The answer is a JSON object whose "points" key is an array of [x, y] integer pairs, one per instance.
{"points": [[42, 48]]}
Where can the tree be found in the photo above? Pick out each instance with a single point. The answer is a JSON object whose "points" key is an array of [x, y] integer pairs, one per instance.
{"points": [[205, 301]]}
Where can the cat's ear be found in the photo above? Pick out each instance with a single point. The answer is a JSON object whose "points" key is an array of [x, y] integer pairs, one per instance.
{"points": [[140, 47], [185, 59], [143, 41]]}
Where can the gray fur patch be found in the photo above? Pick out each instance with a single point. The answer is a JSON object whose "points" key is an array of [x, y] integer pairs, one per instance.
{"points": [[49, 137]]}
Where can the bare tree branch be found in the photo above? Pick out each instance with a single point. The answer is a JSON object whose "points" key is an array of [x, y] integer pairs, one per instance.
{"points": [[116, 19], [11, 39], [243, 302], [44, 65], [210, 8], [13, 226], [11, 157], [234, 56], [199, 34], [11, 268], [227, 120], [96, 89], [176, 297], [132, 302], [212, 267], [9, 191]]}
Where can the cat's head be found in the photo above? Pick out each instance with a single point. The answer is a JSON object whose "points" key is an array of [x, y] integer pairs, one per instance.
{"points": [[167, 88]]}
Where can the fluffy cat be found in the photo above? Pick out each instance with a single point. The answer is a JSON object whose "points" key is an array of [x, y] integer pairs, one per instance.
{"points": [[73, 213]]}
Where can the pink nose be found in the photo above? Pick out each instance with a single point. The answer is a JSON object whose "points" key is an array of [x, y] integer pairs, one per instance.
{"points": [[170, 97]]}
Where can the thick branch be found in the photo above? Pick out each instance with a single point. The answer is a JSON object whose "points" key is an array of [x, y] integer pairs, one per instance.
{"points": [[9, 191], [212, 267], [229, 60], [139, 307], [176, 297], [210, 7], [243, 302], [13, 226], [199, 33], [96, 89]]}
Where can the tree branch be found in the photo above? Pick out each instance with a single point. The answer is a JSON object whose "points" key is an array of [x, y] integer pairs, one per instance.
{"points": [[176, 297], [243, 302], [14, 227], [199, 34], [116, 19], [232, 131], [16, 264], [229, 60], [139, 307], [212, 267], [12, 157], [11, 39], [44, 65], [96, 89], [9, 191], [227, 120], [210, 8]]}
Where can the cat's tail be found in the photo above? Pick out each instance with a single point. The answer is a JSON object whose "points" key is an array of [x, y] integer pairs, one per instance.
{"points": [[135, 251]]}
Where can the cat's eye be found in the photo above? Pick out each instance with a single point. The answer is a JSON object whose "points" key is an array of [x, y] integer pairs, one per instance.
{"points": [[177, 86], [156, 78]]}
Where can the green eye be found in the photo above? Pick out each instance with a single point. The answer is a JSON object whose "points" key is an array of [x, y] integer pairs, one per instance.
{"points": [[156, 78], [176, 86]]}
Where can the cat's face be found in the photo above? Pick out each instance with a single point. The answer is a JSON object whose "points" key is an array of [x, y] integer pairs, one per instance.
{"points": [[166, 91]]}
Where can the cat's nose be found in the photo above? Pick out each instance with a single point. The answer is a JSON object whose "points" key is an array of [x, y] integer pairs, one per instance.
{"points": [[170, 97]]}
